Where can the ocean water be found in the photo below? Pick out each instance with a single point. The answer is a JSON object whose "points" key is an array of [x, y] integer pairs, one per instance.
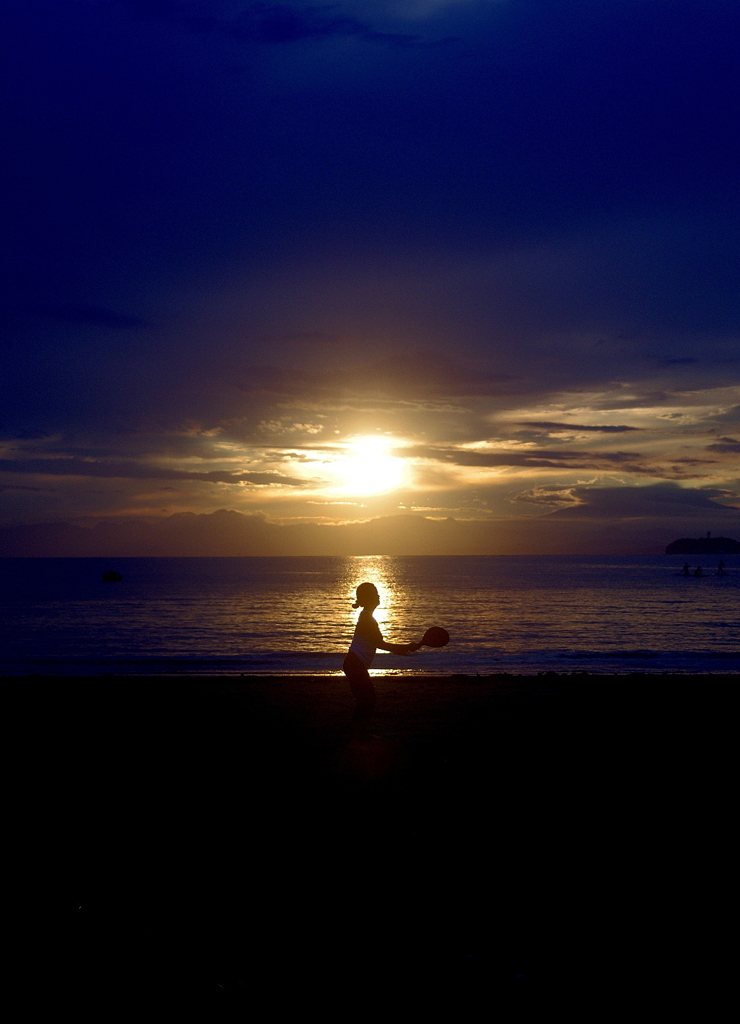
{"points": [[261, 616]]}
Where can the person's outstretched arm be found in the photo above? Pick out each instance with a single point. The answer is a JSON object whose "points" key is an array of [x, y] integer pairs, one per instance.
{"points": [[398, 648], [381, 644]]}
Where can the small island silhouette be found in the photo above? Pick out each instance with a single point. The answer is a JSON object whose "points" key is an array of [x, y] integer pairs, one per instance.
{"points": [[704, 546]]}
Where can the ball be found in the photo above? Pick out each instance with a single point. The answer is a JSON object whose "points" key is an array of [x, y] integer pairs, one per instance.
{"points": [[435, 636]]}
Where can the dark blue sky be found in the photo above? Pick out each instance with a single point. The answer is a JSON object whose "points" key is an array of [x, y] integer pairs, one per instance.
{"points": [[240, 236]]}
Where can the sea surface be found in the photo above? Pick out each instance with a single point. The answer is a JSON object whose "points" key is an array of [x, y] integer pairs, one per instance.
{"points": [[263, 616]]}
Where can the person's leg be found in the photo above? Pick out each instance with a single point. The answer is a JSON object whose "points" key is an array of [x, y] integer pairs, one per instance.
{"points": [[363, 691]]}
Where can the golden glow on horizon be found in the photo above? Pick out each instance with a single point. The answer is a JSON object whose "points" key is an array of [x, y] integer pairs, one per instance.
{"points": [[368, 469]]}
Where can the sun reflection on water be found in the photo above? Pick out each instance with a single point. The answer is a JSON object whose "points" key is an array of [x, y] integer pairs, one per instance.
{"points": [[377, 569], [394, 615]]}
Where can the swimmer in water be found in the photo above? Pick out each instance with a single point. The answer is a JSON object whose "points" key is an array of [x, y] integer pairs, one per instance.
{"points": [[365, 642]]}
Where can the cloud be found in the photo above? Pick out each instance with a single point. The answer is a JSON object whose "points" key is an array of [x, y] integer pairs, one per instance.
{"points": [[92, 316], [655, 500], [401, 376], [272, 24], [548, 496], [278, 23], [725, 444], [551, 425], [731, 416], [137, 471], [530, 457], [630, 462]]}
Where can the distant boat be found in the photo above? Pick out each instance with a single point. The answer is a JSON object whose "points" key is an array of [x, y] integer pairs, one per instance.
{"points": [[111, 576]]}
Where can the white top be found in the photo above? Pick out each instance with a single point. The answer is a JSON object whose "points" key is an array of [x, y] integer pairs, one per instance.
{"points": [[366, 639]]}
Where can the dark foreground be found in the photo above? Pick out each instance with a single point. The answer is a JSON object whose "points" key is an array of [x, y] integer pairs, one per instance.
{"points": [[504, 840]]}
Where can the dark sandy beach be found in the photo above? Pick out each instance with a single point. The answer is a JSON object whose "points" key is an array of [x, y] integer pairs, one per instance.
{"points": [[211, 838]]}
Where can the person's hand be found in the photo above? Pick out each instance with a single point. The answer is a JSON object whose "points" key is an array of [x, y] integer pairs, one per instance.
{"points": [[414, 647]]}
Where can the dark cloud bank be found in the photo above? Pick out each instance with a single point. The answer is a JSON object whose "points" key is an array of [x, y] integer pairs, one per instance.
{"points": [[617, 520], [136, 471], [270, 24]]}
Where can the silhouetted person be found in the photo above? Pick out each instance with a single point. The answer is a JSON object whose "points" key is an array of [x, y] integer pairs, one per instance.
{"points": [[721, 569], [686, 568], [697, 571], [360, 656]]}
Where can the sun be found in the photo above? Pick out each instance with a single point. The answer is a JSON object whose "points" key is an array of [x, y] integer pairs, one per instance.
{"points": [[368, 469]]}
